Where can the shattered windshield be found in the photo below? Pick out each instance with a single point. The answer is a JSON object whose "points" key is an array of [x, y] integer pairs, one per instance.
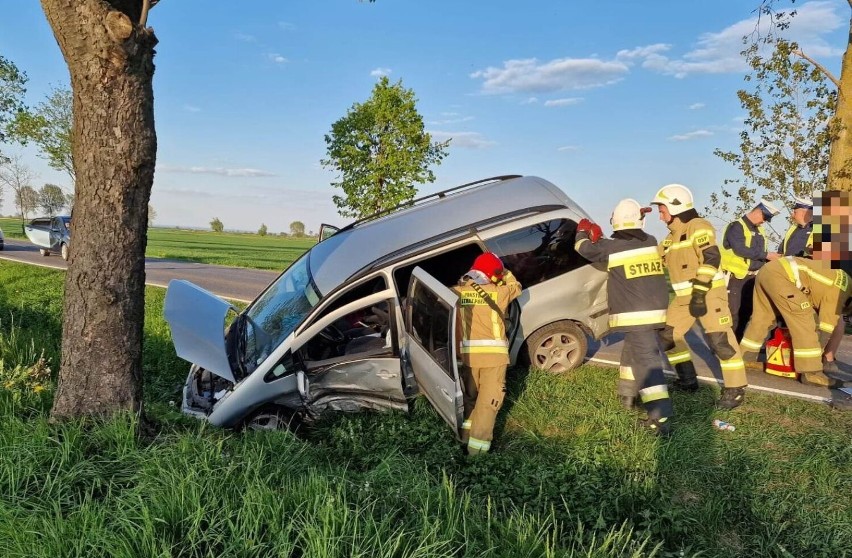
{"points": [[277, 312]]}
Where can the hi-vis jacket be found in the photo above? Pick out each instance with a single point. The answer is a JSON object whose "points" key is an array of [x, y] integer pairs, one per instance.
{"points": [[743, 247], [690, 252], [483, 330], [827, 289], [797, 239], [636, 289]]}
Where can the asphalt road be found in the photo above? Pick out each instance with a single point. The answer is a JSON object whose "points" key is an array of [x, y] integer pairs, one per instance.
{"points": [[234, 283]]}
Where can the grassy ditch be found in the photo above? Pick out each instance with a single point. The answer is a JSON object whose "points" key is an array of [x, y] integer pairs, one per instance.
{"points": [[570, 475]]}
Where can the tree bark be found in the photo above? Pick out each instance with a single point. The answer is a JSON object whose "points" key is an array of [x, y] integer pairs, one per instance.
{"points": [[840, 156], [110, 58]]}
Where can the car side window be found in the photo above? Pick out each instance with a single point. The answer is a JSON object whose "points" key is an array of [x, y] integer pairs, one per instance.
{"points": [[428, 326], [367, 330], [539, 252]]}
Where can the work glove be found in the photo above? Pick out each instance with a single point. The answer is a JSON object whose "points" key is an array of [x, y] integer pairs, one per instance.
{"points": [[698, 302], [593, 230]]}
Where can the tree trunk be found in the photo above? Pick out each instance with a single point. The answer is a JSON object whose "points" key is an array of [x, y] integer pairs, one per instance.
{"points": [[111, 61], [840, 157]]}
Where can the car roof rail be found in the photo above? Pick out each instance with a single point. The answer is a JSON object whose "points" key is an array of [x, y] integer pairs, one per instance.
{"points": [[436, 195]]}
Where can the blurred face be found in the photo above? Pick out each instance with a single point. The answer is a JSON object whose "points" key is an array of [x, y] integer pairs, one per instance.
{"points": [[802, 216], [665, 216]]}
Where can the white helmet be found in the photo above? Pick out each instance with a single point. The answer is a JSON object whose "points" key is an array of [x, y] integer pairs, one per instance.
{"points": [[628, 214], [676, 197]]}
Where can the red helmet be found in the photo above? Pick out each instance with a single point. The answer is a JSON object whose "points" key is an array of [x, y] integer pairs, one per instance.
{"points": [[490, 265]]}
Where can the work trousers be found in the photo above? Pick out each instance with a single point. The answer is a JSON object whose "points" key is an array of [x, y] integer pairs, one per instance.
{"points": [[774, 294], [716, 324], [740, 292], [641, 372], [484, 390]]}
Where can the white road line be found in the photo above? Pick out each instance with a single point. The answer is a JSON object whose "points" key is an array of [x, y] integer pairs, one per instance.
{"points": [[8, 258], [715, 381]]}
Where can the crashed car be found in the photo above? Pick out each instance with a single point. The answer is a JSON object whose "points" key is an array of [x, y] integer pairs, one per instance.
{"points": [[365, 319], [50, 233]]}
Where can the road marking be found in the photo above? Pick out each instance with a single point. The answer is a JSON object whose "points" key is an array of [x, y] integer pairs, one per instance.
{"points": [[11, 259], [713, 380]]}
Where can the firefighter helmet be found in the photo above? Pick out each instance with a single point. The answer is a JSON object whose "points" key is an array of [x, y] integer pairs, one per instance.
{"points": [[489, 265], [628, 214], [676, 197]]}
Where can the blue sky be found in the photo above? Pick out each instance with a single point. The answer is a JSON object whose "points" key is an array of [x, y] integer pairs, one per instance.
{"points": [[607, 100]]}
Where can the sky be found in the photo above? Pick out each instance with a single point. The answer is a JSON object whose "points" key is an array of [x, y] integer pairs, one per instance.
{"points": [[607, 100]]}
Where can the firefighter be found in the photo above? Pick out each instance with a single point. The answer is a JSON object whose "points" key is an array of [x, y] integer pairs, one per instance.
{"points": [[744, 251], [484, 295], [800, 235], [799, 290], [638, 297], [692, 258]]}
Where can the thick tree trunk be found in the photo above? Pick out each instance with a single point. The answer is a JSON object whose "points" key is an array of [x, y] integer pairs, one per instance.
{"points": [[111, 62], [840, 157]]}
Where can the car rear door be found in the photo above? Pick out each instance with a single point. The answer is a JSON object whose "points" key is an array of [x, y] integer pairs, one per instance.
{"points": [[429, 345]]}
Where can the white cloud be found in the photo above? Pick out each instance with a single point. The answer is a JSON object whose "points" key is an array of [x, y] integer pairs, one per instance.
{"points": [[530, 101], [696, 106], [532, 76], [563, 102], [277, 58], [467, 140], [691, 135], [245, 38], [221, 171], [381, 72], [640, 53], [458, 119], [568, 148], [191, 108]]}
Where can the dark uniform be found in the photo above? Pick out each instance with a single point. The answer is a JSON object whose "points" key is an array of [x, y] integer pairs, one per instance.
{"points": [[797, 239], [638, 297], [743, 254]]}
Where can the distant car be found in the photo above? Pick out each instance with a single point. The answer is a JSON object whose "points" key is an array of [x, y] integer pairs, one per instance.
{"points": [[50, 233], [365, 319]]}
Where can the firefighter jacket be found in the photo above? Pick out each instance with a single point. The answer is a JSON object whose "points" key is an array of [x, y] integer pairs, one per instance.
{"points": [[743, 248], [637, 291], [481, 321], [827, 289], [797, 239], [690, 252]]}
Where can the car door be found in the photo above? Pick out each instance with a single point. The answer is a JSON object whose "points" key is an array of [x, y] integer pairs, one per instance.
{"points": [[429, 342], [56, 226], [38, 231]]}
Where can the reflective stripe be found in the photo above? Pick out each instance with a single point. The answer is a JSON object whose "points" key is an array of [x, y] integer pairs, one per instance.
{"points": [[818, 277], [828, 328], [733, 263], [642, 317], [479, 445], [704, 269], [625, 373], [683, 288], [731, 364], [792, 268], [497, 325], [484, 343], [578, 243], [807, 353], [749, 344], [654, 393], [633, 256], [689, 241], [677, 358], [466, 425], [485, 350]]}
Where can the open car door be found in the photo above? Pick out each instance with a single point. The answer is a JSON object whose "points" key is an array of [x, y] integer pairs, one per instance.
{"points": [[430, 345]]}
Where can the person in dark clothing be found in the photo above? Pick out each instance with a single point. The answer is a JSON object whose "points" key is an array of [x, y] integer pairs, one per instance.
{"points": [[744, 252], [638, 298], [800, 234]]}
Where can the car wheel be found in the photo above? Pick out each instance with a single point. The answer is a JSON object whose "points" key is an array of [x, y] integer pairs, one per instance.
{"points": [[64, 252], [558, 347], [271, 419], [44, 251]]}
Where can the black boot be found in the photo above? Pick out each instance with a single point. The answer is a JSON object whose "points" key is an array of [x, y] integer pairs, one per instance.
{"points": [[687, 379], [659, 427], [731, 398]]}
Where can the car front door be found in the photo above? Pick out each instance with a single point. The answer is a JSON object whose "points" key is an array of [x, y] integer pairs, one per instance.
{"points": [[56, 226], [430, 345]]}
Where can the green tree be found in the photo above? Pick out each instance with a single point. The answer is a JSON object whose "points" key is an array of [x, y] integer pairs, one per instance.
{"points": [[839, 175], [152, 214], [380, 151], [51, 199], [12, 89], [297, 228], [27, 200], [48, 126], [784, 147], [216, 225], [262, 230], [16, 176]]}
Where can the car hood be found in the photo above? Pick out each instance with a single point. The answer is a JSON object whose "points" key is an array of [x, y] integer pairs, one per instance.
{"points": [[197, 320]]}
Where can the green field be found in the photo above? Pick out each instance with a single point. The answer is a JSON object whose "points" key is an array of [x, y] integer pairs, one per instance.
{"points": [[570, 475], [234, 249]]}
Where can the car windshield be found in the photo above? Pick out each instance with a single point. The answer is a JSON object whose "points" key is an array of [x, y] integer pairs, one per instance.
{"points": [[277, 312]]}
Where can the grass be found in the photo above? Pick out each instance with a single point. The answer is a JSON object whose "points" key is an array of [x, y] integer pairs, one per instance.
{"points": [[232, 249], [570, 475]]}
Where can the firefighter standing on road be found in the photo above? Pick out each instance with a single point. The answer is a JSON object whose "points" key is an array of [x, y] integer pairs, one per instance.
{"points": [[795, 288], [638, 296], [744, 252], [484, 295], [800, 235], [692, 258]]}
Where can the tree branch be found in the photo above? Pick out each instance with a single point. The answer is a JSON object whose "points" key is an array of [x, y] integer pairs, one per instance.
{"points": [[146, 5], [819, 66]]}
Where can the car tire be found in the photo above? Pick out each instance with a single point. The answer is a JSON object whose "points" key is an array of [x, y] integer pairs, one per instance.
{"points": [[271, 418], [63, 250], [44, 251], [557, 348]]}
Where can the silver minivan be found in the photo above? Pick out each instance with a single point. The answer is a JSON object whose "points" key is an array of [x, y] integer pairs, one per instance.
{"points": [[366, 319]]}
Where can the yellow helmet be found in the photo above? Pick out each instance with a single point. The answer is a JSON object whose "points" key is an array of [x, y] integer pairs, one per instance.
{"points": [[628, 214], [676, 197]]}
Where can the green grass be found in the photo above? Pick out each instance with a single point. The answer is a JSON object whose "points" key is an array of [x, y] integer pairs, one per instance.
{"points": [[570, 475], [233, 249]]}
